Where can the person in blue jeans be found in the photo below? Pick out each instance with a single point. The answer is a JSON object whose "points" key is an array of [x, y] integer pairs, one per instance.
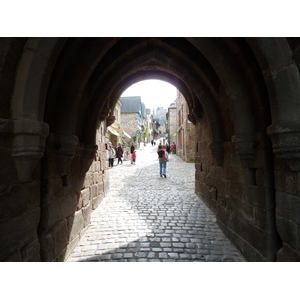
{"points": [[162, 158]]}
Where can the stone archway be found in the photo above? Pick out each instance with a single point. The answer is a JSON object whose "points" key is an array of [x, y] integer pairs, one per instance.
{"points": [[239, 92]]}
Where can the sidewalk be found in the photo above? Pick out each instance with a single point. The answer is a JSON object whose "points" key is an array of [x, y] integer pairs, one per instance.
{"points": [[148, 218]]}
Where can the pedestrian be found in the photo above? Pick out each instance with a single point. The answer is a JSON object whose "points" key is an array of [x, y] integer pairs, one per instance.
{"points": [[152, 142], [173, 148], [132, 148], [133, 157], [111, 156], [162, 159], [119, 153], [168, 148]]}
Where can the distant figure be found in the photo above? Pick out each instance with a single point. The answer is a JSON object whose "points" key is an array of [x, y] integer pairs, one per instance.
{"points": [[152, 142], [133, 157], [132, 148], [173, 148], [119, 153], [162, 159], [111, 156], [168, 148]]}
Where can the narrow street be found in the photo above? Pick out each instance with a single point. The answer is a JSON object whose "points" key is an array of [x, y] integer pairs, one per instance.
{"points": [[146, 218]]}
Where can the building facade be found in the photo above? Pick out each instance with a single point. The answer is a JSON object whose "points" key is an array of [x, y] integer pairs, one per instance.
{"points": [[132, 117], [171, 121], [185, 131]]}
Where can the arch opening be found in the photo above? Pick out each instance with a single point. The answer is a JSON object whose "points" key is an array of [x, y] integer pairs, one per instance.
{"points": [[242, 96]]}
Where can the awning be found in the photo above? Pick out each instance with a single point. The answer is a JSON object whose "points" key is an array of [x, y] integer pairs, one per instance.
{"points": [[125, 133], [112, 130], [121, 131]]}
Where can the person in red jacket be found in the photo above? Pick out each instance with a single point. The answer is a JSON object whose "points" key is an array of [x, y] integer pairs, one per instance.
{"points": [[173, 148], [133, 157]]}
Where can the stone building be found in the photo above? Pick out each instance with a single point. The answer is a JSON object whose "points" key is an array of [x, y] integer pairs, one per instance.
{"points": [[171, 120], [114, 131], [185, 131], [57, 95], [132, 117], [154, 128]]}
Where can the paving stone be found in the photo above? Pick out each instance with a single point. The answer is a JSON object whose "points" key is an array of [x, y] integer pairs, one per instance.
{"points": [[173, 255], [164, 245], [178, 245], [147, 219]]}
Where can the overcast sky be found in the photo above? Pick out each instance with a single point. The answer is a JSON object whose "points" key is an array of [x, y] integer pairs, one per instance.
{"points": [[153, 93]]}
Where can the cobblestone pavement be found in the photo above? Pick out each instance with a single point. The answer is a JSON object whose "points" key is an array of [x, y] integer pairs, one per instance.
{"points": [[146, 218]]}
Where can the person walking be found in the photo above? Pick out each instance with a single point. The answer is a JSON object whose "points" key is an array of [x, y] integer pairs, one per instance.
{"points": [[133, 157], [119, 153], [162, 159], [168, 148], [173, 148], [132, 148], [111, 156]]}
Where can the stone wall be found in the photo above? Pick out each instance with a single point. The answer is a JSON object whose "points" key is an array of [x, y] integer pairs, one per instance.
{"points": [[68, 201], [186, 136], [241, 197], [172, 123], [129, 123]]}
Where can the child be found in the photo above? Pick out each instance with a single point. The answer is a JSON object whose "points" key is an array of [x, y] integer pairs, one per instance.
{"points": [[133, 157]]}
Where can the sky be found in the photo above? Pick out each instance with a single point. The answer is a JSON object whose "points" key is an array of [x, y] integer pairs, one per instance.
{"points": [[153, 93]]}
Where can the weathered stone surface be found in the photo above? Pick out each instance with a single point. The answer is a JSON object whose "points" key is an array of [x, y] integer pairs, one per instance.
{"points": [[57, 211], [17, 232], [288, 206], [288, 254], [18, 199], [31, 252], [60, 234], [75, 225]]}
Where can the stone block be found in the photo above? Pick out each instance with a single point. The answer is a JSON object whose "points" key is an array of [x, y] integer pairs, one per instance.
{"points": [[220, 184], [242, 208], [55, 187], [260, 218], [8, 172], [86, 214], [96, 201], [31, 252], [250, 233], [60, 235], [75, 224], [212, 191], [70, 247], [15, 257], [236, 190], [262, 178], [286, 181], [85, 196], [288, 254], [18, 232], [288, 231], [257, 196], [18, 199], [46, 241], [88, 180], [94, 191], [288, 206], [58, 210], [216, 171]]}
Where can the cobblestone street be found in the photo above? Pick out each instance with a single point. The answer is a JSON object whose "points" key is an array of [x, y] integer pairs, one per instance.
{"points": [[146, 218]]}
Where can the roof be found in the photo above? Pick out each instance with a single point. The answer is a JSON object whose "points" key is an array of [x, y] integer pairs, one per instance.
{"points": [[131, 104]]}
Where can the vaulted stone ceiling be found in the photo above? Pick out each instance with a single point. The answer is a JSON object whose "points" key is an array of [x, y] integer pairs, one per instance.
{"points": [[90, 74]]}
